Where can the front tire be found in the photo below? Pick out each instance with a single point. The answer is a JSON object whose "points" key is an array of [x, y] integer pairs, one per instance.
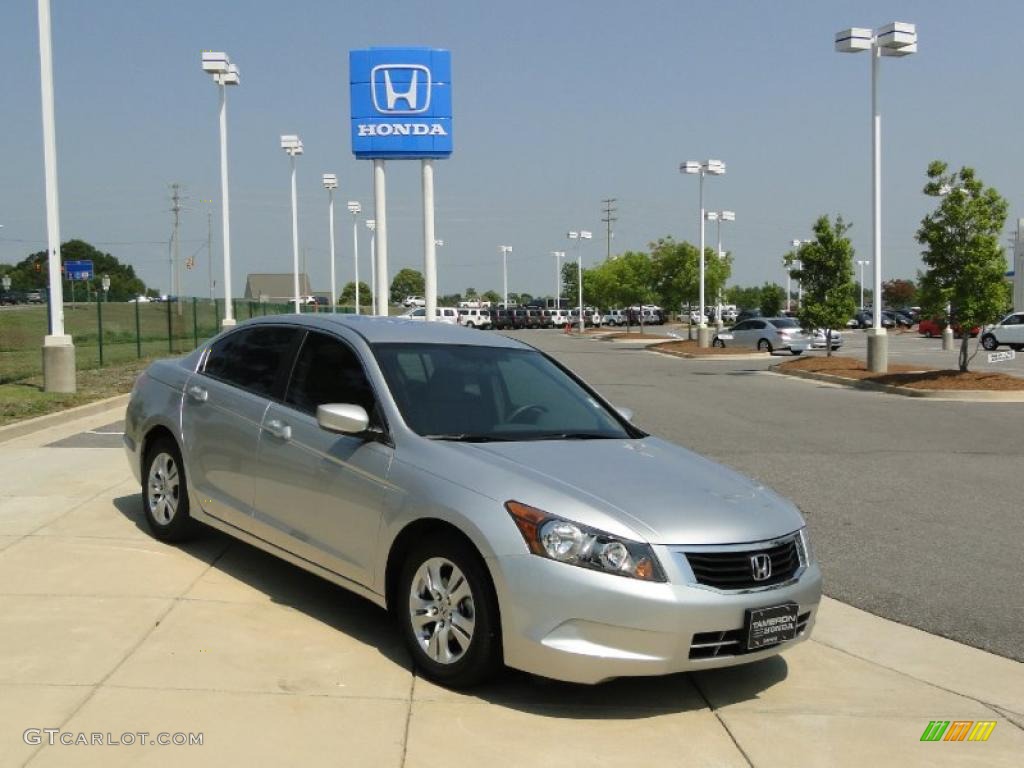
{"points": [[988, 341], [165, 493], [448, 613], [718, 343], [764, 346]]}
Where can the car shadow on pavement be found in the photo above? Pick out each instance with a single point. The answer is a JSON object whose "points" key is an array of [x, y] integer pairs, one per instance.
{"points": [[358, 618]]}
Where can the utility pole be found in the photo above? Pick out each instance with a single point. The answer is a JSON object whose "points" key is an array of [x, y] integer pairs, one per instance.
{"points": [[609, 217], [176, 199]]}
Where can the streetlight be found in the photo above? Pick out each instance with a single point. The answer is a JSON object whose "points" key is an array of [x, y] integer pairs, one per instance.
{"points": [[371, 224], [105, 282], [58, 349], [579, 236], [331, 184], [862, 263], [355, 208], [224, 73], [798, 244], [292, 145], [505, 251], [896, 39], [559, 255], [715, 168], [718, 217], [6, 282]]}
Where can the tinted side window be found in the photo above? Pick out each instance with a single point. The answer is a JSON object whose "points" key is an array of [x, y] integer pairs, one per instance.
{"points": [[252, 358], [758, 324], [328, 371]]}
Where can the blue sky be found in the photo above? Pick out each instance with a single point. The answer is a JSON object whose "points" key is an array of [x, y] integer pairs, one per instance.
{"points": [[557, 105]]}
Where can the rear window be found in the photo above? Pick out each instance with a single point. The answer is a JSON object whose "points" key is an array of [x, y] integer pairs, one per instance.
{"points": [[785, 322]]}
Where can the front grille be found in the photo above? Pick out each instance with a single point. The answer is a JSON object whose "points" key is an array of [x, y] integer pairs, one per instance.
{"points": [[711, 645], [734, 570]]}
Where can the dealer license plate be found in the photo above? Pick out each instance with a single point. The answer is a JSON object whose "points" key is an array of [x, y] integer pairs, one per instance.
{"points": [[770, 626]]}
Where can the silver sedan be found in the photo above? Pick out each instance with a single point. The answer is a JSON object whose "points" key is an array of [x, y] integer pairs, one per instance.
{"points": [[766, 334], [497, 505]]}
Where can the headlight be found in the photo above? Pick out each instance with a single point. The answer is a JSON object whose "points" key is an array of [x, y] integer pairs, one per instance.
{"points": [[804, 543], [567, 542]]}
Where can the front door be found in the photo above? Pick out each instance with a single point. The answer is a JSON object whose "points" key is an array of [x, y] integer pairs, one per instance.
{"points": [[320, 494]]}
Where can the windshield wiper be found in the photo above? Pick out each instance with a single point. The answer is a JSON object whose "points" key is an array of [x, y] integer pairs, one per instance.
{"points": [[576, 436], [468, 437]]}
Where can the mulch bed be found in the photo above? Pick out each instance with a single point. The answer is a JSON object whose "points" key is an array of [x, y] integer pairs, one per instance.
{"points": [[907, 375]]}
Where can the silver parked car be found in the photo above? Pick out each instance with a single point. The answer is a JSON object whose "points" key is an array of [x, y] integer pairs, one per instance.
{"points": [[766, 334], [498, 506]]}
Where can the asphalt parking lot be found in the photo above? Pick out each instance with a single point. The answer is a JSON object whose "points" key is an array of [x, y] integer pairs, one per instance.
{"points": [[913, 504], [913, 349]]}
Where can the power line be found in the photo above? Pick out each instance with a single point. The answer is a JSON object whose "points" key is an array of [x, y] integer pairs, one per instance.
{"points": [[608, 218]]}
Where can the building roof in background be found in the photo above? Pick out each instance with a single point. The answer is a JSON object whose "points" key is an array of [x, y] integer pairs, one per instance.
{"points": [[275, 285]]}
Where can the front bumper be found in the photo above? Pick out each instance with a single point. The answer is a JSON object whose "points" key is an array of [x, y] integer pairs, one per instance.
{"points": [[574, 624]]}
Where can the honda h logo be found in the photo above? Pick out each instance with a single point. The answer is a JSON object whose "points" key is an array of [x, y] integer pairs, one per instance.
{"points": [[400, 89], [761, 565]]}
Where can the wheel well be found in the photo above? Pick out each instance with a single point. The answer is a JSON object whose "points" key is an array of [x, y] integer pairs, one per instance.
{"points": [[154, 434], [409, 536]]}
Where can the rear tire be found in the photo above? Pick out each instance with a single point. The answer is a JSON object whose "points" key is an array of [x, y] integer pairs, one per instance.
{"points": [[448, 613], [165, 493], [764, 346], [718, 343]]}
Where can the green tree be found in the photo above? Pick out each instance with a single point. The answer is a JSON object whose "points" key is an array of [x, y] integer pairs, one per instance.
{"points": [[408, 282], [675, 268], [32, 272], [492, 296], [348, 294], [470, 294], [772, 298], [743, 298], [964, 262], [826, 273]]}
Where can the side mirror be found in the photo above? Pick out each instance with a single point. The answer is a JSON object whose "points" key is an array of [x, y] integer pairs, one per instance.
{"points": [[345, 418], [626, 413]]}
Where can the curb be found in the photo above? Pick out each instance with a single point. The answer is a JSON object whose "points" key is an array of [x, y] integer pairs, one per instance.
{"points": [[691, 356], [961, 395], [28, 426]]}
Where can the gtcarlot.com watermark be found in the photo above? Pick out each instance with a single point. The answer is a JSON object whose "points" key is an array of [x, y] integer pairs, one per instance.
{"points": [[55, 737]]}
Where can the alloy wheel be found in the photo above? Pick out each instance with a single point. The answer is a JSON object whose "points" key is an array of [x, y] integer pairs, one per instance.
{"points": [[441, 610], [162, 488]]}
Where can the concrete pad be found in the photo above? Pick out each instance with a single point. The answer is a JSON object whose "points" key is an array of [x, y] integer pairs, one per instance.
{"points": [[627, 697], [78, 473], [238, 729], [115, 515], [33, 706], [6, 541], [262, 647], [812, 678], [473, 734], [21, 515], [943, 662], [51, 565], [838, 741], [70, 640]]}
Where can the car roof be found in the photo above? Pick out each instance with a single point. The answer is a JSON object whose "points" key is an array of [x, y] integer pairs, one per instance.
{"points": [[386, 330]]}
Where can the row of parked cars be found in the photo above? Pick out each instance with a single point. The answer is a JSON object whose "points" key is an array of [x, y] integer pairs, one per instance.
{"points": [[517, 318], [22, 297]]}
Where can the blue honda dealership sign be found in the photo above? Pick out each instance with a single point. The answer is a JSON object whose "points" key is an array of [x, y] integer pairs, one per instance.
{"points": [[78, 270], [401, 102]]}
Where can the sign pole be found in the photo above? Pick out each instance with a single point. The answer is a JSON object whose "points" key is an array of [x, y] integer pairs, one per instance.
{"points": [[381, 217], [429, 243]]}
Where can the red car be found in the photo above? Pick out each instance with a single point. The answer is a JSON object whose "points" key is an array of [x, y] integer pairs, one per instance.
{"points": [[933, 327]]}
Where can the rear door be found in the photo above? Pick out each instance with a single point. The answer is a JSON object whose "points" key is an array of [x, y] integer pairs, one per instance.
{"points": [[223, 408], [320, 494]]}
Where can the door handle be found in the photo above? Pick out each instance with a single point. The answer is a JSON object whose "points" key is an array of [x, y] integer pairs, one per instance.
{"points": [[278, 429], [198, 394]]}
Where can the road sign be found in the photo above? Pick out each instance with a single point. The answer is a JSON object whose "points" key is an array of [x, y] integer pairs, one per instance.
{"points": [[401, 102], [78, 270], [1001, 357]]}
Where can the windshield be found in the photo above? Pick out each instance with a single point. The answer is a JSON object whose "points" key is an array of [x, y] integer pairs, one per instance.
{"points": [[481, 394]]}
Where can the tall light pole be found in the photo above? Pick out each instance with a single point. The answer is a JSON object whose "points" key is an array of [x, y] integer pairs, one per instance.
{"points": [[715, 168], [505, 251], [862, 263], [579, 236], [58, 350], [718, 217], [292, 145], [355, 208], [559, 255], [896, 39], [224, 73], [371, 224], [798, 244], [331, 184]]}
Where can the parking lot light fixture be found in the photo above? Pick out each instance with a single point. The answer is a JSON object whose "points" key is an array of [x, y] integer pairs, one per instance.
{"points": [[896, 39], [701, 169], [224, 73], [355, 208], [505, 251], [797, 245], [718, 217], [579, 236], [331, 184], [862, 263], [371, 224], [292, 145], [559, 255]]}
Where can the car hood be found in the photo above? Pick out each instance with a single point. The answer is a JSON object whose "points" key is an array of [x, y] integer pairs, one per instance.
{"points": [[656, 490]]}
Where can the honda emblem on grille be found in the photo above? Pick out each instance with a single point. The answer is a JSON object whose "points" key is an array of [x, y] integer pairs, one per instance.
{"points": [[761, 565]]}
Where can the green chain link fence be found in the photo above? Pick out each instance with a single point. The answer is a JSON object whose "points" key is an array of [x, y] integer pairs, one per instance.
{"points": [[108, 333]]}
